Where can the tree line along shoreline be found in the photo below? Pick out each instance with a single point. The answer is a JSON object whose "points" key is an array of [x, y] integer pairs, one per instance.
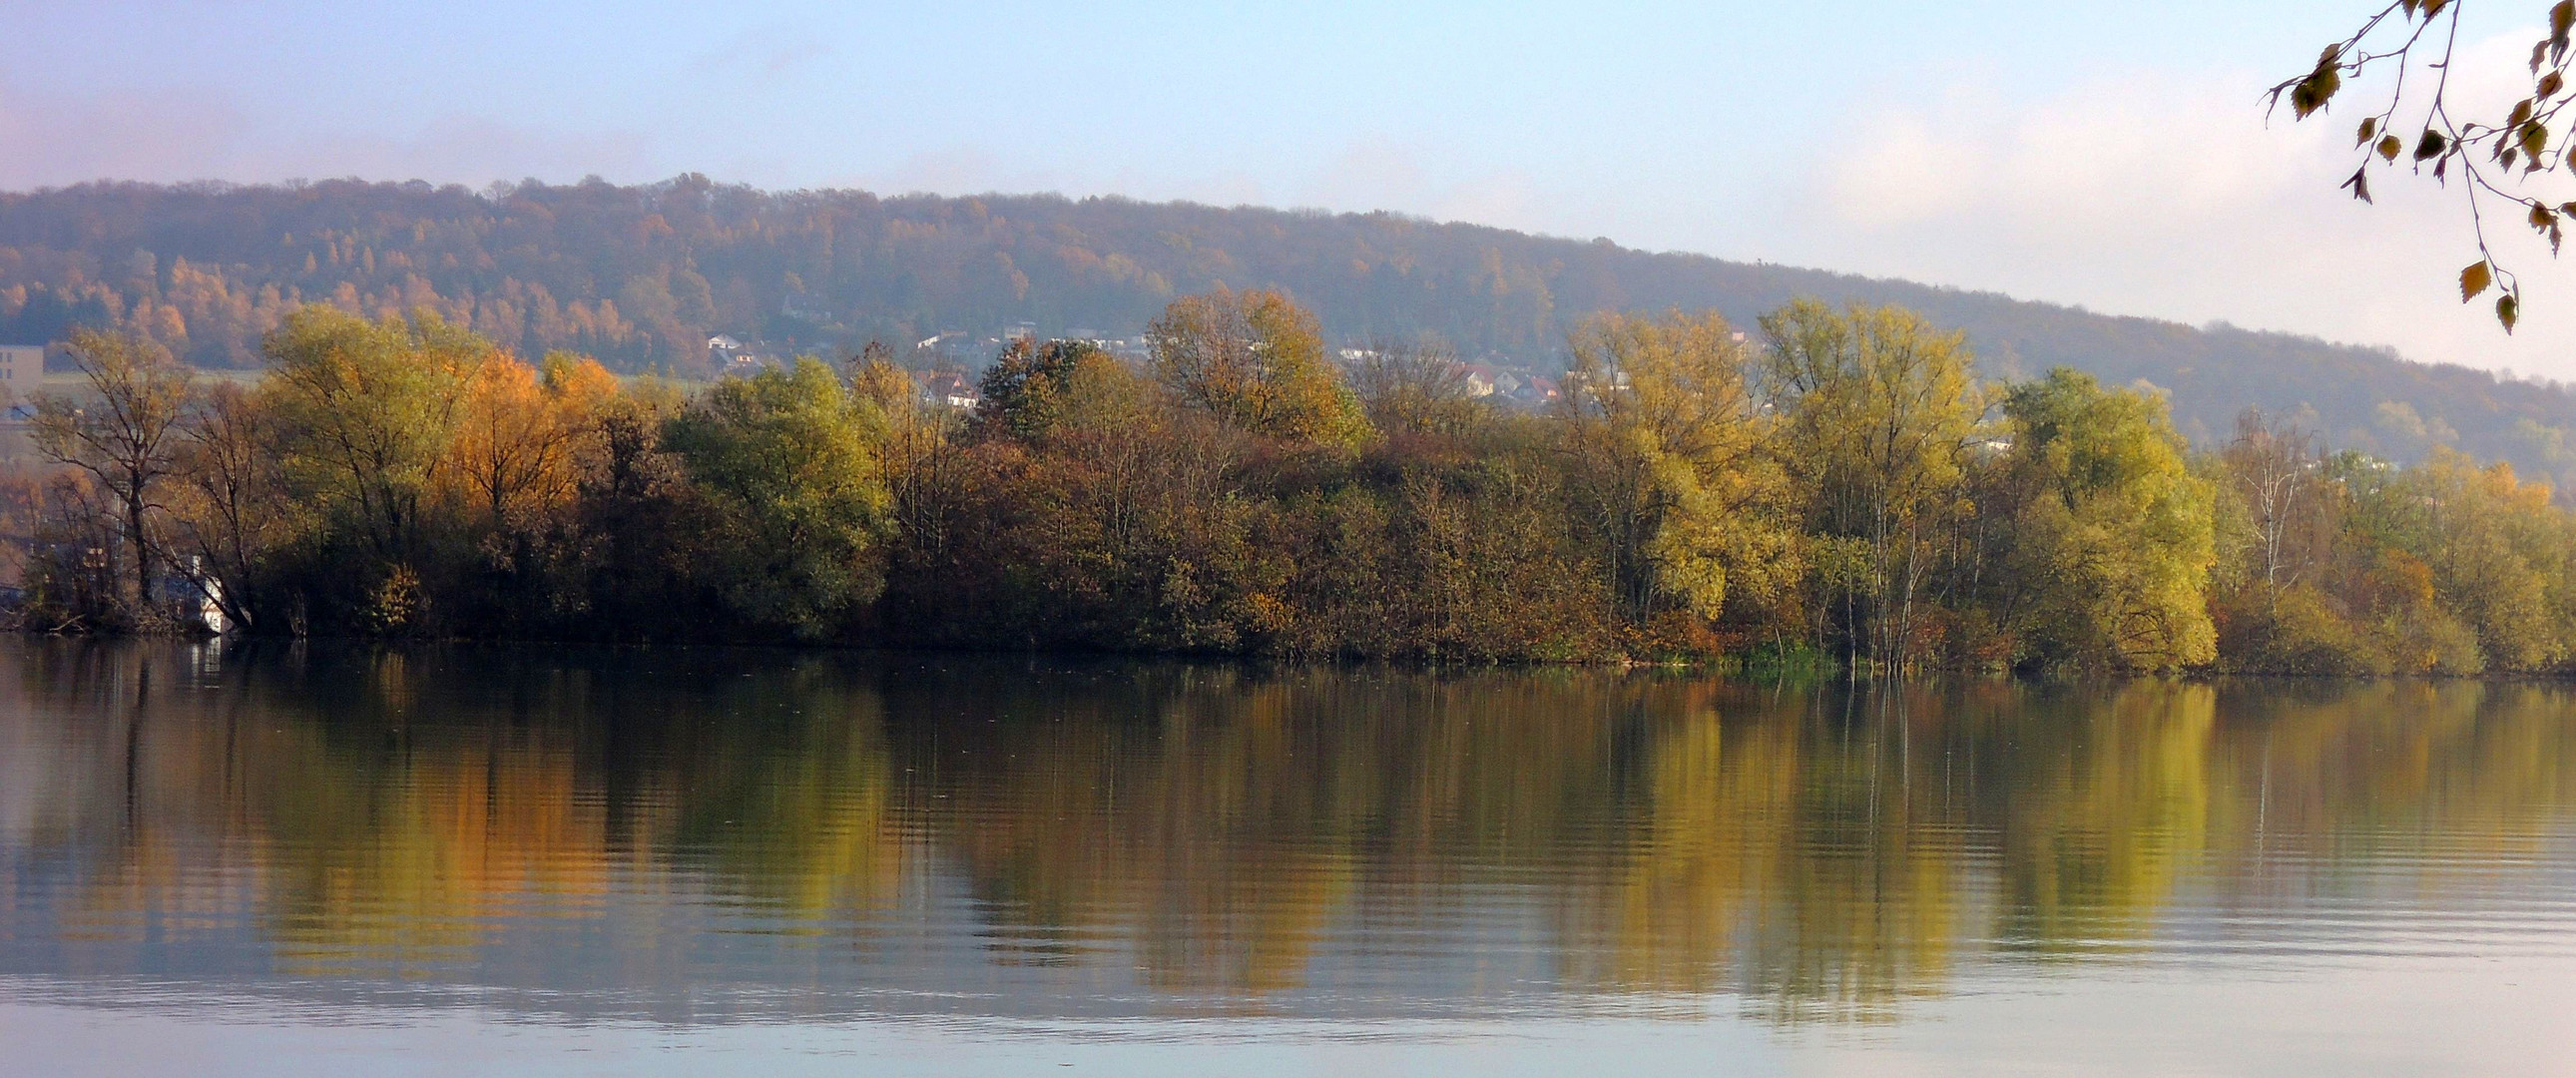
{"points": [[1831, 488]]}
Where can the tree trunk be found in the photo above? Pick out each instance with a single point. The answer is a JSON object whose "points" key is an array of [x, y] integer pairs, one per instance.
{"points": [[142, 555]]}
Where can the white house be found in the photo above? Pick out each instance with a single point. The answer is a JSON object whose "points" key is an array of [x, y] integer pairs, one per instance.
{"points": [[22, 373], [949, 388]]}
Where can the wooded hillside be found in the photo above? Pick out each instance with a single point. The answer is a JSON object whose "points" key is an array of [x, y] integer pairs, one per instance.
{"points": [[641, 276]]}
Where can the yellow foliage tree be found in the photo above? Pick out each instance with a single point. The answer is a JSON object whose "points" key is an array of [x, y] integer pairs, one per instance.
{"points": [[1878, 409], [1669, 444], [2113, 540]]}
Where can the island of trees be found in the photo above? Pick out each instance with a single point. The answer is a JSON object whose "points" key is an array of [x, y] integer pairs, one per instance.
{"points": [[1831, 488]]}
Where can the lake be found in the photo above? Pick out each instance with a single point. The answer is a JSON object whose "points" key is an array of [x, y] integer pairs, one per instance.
{"points": [[274, 859]]}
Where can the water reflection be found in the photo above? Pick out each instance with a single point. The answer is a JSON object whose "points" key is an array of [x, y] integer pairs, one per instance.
{"points": [[709, 833]]}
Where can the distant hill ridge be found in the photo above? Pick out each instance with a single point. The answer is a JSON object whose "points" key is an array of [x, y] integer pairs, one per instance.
{"points": [[642, 276]]}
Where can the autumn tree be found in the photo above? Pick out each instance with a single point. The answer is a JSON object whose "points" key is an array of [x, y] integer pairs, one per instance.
{"points": [[1671, 465], [2277, 473], [124, 430], [2482, 548], [518, 433], [232, 512], [1135, 509], [1686, 496], [1415, 387], [1877, 411], [2111, 537], [917, 433], [2279, 598], [1256, 361]]}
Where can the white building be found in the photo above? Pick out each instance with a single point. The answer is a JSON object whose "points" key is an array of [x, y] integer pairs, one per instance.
{"points": [[22, 373]]}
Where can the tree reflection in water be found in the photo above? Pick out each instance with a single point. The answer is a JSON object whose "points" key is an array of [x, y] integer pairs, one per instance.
{"points": [[1219, 835]]}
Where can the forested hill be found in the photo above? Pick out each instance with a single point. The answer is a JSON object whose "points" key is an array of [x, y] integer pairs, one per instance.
{"points": [[641, 276]]}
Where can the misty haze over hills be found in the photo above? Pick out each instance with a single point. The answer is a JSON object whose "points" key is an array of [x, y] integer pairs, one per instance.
{"points": [[642, 276]]}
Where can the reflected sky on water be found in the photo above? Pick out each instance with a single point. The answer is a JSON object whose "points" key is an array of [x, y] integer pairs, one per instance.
{"points": [[274, 859]]}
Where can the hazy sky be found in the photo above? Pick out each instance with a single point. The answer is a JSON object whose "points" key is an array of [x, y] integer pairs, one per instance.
{"points": [[2112, 155]]}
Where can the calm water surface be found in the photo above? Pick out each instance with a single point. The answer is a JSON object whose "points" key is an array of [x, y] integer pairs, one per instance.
{"points": [[286, 861]]}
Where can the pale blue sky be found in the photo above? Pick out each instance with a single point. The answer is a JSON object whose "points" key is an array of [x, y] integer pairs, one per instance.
{"points": [[2105, 154]]}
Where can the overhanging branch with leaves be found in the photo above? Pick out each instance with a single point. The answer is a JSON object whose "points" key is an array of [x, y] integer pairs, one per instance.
{"points": [[2500, 160]]}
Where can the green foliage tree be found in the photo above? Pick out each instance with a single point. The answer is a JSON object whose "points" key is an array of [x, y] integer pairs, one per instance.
{"points": [[1026, 391], [2112, 535], [791, 459], [363, 413]]}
